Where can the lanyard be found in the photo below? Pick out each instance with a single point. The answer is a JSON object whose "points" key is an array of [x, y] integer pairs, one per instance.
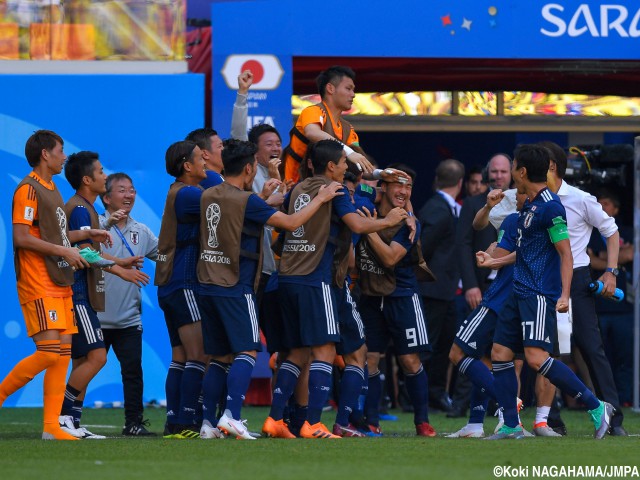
{"points": [[124, 240]]}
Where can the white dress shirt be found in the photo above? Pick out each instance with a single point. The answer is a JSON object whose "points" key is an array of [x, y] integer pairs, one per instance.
{"points": [[268, 261]]}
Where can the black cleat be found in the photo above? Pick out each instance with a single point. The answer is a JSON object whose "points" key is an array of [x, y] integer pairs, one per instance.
{"points": [[137, 429]]}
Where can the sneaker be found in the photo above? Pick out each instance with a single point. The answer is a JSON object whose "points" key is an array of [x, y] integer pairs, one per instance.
{"points": [[185, 432], [543, 430], [87, 435], [507, 433], [57, 433], [499, 414], [237, 428], [276, 429], [348, 431], [316, 431], [468, 431], [425, 430], [66, 425], [137, 429], [373, 431], [94, 259], [208, 431], [601, 417]]}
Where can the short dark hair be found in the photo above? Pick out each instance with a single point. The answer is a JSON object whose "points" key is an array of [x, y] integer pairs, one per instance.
{"points": [[333, 75], [78, 166], [475, 169], [609, 194], [236, 154], [177, 154], [114, 177], [258, 130], [202, 137], [535, 158], [558, 155], [323, 152], [449, 173], [40, 140], [406, 169]]}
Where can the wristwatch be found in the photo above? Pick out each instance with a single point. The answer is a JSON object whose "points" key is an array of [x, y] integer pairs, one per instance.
{"points": [[615, 271]]}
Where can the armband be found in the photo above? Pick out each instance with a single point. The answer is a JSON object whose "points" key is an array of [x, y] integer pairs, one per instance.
{"points": [[347, 150], [558, 231]]}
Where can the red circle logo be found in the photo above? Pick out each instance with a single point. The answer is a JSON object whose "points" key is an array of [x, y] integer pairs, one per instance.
{"points": [[256, 68]]}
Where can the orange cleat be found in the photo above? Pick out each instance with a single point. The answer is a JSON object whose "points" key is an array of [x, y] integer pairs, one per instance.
{"points": [[425, 430], [56, 433], [276, 429], [316, 431]]}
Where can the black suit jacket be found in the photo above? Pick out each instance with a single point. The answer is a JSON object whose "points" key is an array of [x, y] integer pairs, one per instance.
{"points": [[438, 224], [469, 241]]}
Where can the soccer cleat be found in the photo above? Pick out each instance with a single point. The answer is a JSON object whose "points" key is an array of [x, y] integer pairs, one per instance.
{"points": [[499, 414], [348, 431], [543, 430], [468, 431], [506, 432], [169, 430], [208, 431], [424, 429], [185, 432], [137, 429], [94, 259], [373, 431], [237, 428], [57, 433], [601, 417], [87, 435], [316, 431], [66, 425], [276, 429]]}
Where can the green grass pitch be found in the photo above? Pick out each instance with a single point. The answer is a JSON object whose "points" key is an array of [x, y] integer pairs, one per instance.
{"points": [[396, 456]]}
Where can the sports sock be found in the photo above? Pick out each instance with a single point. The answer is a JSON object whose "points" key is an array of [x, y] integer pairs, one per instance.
{"points": [[212, 385], [199, 410], [238, 382], [372, 402], [350, 390], [77, 412], [288, 374], [70, 395], [357, 416], [477, 405], [418, 390], [506, 385], [319, 389], [190, 389], [542, 414], [55, 379], [478, 373], [297, 417], [567, 381], [172, 390]]}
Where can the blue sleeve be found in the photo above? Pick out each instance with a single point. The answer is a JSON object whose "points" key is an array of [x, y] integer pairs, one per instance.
{"points": [[360, 202], [508, 232], [80, 219], [188, 202], [213, 179], [366, 191], [342, 203], [257, 210], [402, 237], [552, 211]]}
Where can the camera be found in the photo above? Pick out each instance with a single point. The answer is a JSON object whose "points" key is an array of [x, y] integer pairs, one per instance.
{"points": [[596, 165]]}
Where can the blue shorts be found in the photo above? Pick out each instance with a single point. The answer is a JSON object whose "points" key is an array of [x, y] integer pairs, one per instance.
{"points": [[351, 326], [180, 308], [310, 316], [89, 335], [400, 319], [475, 334], [271, 322], [230, 324], [527, 322]]}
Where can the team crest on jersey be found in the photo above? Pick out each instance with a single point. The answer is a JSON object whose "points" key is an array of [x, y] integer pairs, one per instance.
{"points": [[99, 333], [135, 237], [53, 315], [528, 219], [533, 209]]}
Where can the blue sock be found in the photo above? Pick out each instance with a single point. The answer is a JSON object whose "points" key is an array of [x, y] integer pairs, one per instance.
{"points": [[477, 405], [77, 412], [172, 390], [350, 390], [506, 384], [288, 374], [357, 416], [70, 395], [418, 390], [190, 389], [567, 381], [478, 373], [199, 409], [319, 389], [372, 402], [212, 386], [238, 382], [297, 417]]}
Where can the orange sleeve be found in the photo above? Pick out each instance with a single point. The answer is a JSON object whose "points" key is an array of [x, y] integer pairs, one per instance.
{"points": [[25, 205], [311, 114], [353, 138]]}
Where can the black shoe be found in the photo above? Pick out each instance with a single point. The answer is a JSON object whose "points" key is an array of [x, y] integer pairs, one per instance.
{"points": [[137, 429], [558, 426], [618, 431]]}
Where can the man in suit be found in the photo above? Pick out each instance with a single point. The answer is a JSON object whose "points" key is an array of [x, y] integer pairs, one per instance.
{"points": [[438, 218]]}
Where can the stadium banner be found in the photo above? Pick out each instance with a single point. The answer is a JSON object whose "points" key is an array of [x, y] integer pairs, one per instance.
{"points": [[130, 120]]}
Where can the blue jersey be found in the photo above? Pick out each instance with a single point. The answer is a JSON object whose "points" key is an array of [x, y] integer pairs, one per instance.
{"points": [[256, 214], [502, 285], [187, 208], [537, 269], [213, 179], [80, 219], [360, 201], [340, 206], [406, 281]]}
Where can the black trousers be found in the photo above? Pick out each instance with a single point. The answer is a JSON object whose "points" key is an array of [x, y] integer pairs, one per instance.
{"points": [[441, 326], [587, 337], [127, 345]]}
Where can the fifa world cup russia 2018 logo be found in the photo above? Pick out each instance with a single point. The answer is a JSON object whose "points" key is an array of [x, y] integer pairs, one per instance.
{"points": [[213, 219], [62, 222], [301, 202]]}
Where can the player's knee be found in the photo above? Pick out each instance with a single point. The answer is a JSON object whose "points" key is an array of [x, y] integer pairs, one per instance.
{"points": [[98, 358], [47, 359], [455, 354], [535, 358], [501, 353], [410, 363]]}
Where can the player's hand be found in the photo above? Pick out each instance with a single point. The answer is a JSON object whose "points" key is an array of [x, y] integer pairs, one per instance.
{"points": [[100, 236], [391, 175], [74, 259], [609, 284], [396, 215], [269, 187], [494, 197], [115, 217], [562, 305], [362, 162], [274, 164], [329, 192], [245, 80], [364, 212], [130, 262], [473, 296], [484, 260], [137, 277], [411, 223], [275, 199]]}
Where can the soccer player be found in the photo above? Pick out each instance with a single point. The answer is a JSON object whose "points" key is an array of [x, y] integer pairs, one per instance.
{"points": [[45, 262], [84, 172], [231, 232], [306, 274], [211, 147], [528, 318]]}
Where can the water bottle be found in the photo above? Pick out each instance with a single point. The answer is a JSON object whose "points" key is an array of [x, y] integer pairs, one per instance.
{"points": [[597, 287]]}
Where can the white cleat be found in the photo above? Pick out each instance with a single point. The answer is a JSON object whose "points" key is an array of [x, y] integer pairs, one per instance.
{"points": [[208, 431], [236, 428], [544, 430], [66, 424], [87, 435], [468, 431]]}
